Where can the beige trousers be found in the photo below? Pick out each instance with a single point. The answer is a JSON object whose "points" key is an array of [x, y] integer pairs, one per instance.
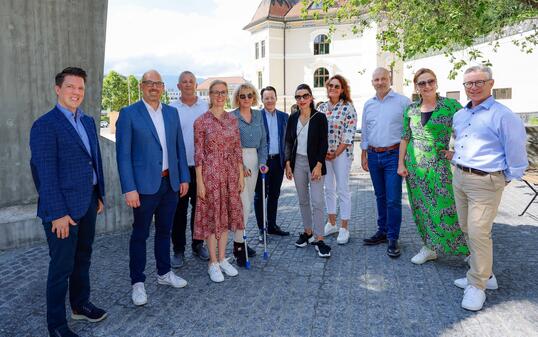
{"points": [[250, 161], [477, 200]]}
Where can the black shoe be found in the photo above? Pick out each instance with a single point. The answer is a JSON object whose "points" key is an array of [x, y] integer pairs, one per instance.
{"points": [[201, 251], [322, 248], [251, 252], [275, 230], [393, 249], [89, 312], [304, 239], [62, 331], [376, 239], [239, 254]]}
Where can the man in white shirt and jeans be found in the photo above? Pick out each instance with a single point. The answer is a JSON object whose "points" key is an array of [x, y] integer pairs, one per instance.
{"points": [[189, 107]]}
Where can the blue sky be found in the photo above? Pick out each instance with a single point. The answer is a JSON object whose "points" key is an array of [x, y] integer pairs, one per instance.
{"points": [[204, 36]]}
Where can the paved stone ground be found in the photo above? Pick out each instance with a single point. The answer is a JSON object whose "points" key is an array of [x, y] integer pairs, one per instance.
{"points": [[359, 291]]}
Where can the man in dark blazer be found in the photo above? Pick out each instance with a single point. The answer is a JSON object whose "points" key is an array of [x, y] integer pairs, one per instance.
{"points": [[275, 122], [68, 175], [153, 170]]}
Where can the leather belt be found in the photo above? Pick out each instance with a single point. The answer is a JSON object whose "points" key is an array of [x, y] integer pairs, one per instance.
{"points": [[384, 149], [273, 156], [474, 171], [165, 173]]}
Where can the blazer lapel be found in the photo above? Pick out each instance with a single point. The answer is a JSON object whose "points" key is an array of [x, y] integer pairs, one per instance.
{"points": [[145, 115], [70, 129], [167, 125]]}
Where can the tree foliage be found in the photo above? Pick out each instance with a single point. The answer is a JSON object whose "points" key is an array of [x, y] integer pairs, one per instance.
{"points": [[120, 91], [410, 28], [114, 95]]}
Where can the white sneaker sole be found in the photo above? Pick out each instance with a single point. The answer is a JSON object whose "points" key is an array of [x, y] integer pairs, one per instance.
{"points": [[82, 317], [165, 283], [419, 262], [489, 285], [138, 304]]}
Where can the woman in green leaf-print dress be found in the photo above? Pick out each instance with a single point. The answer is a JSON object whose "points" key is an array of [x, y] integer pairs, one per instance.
{"points": [[427, 128]]}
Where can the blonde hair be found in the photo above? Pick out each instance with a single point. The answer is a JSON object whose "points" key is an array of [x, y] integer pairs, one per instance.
{"points": [[214, 83], [248, 86]]}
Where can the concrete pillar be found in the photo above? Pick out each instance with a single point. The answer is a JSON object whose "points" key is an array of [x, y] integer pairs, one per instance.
{"points": [[37, 40]]}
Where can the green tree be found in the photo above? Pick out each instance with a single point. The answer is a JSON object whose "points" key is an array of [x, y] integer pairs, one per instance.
{"points": [[409, 28], [133, 88], [165, 98], [114, 95]]}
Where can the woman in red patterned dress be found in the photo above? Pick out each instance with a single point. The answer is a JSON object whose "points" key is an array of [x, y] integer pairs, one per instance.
{"points": [[219, 180]]}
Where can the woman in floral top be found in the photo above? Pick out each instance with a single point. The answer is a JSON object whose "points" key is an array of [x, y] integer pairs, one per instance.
{"points": [[342, 120]]}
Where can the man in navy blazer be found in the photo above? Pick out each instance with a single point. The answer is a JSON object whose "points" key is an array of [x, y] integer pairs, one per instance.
{"points": [[68, 175], [153, 169], [275, 122]]}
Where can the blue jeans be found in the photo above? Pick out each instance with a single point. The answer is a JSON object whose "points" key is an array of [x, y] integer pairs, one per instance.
{"points": [[163, 205], [69, 265], [387, 183]]}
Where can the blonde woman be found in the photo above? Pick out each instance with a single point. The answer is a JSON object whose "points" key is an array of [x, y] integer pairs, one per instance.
{"points": [[219, 180], [254, 150]]}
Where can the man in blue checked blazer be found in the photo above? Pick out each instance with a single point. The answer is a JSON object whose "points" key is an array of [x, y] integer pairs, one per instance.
{"points": [[153, 170], [275, 122], [68, 175]]}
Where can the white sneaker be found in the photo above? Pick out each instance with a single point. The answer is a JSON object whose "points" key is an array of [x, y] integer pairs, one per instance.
{"points": [[330, 229], [228, 268], [343, 236], [171, 279], [424, 255], [491, 284], [139, 296], [473, 298], [214, 273]]}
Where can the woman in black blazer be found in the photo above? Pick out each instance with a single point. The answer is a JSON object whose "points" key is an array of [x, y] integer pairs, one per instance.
{"points": [[306, 147]]}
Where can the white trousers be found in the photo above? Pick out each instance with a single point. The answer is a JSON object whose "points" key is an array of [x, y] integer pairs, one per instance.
{"points": [[337, 184], [250, 161]]}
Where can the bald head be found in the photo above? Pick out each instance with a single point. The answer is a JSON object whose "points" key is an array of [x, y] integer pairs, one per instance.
{"points": [[151, 73], [381, 81]]}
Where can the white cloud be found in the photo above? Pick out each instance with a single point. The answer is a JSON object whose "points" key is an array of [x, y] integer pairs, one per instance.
{"points": [[209, 43]]}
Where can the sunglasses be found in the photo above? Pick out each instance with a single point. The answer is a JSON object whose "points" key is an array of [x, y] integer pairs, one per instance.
{"points": [[334, 86], [302, 97], [422, 84], [243, 96]]}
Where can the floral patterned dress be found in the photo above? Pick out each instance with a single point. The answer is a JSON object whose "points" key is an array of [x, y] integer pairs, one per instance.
{"points": [[342, 120], [429, 184], [217, 149]]}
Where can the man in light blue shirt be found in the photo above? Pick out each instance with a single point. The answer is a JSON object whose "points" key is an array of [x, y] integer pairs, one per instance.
{"points": [[382, 123], [489, 152]]}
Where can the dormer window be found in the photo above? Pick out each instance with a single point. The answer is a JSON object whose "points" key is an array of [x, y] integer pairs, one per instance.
{"points": [[321, 45]]}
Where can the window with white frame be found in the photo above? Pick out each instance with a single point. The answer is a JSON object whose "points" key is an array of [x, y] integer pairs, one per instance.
{"points": [[321, 45], [321, 75]]}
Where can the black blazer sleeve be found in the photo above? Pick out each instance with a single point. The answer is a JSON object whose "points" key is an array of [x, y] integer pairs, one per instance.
{"points": [[323, 142], [290, 137]]}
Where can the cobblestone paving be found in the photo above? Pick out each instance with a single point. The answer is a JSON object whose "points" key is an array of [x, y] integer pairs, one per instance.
{"points": [[359, 291]]}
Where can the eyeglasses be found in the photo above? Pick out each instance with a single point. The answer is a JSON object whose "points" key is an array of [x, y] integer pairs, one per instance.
{"points": [[219, 93], [149, 83], [478, 84], [302, 97], [335, 86], [243, 96], [430, 82]]}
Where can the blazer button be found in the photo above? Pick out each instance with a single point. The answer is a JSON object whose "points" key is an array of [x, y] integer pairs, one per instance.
{"points": [[90, 163]]}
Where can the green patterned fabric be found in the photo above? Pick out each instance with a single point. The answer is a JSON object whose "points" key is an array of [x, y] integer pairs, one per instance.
{"points": [[429, 183]]}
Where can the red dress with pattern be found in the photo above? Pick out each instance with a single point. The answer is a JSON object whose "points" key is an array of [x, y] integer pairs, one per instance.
{"points": [[217, 149]]}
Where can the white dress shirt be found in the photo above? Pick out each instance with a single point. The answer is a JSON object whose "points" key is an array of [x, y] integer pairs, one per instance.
{"points": [[158, 122], [187, 116]]}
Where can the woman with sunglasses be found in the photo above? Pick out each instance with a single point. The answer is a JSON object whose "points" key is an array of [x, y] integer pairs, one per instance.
{"points": [[423, 160], [219, 180], [306, 147], [342, 120], [254, 148]]}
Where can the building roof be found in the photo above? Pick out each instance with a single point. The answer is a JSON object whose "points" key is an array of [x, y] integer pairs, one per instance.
{"points": [[231, 80], [271, 10], [295, 12]]}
